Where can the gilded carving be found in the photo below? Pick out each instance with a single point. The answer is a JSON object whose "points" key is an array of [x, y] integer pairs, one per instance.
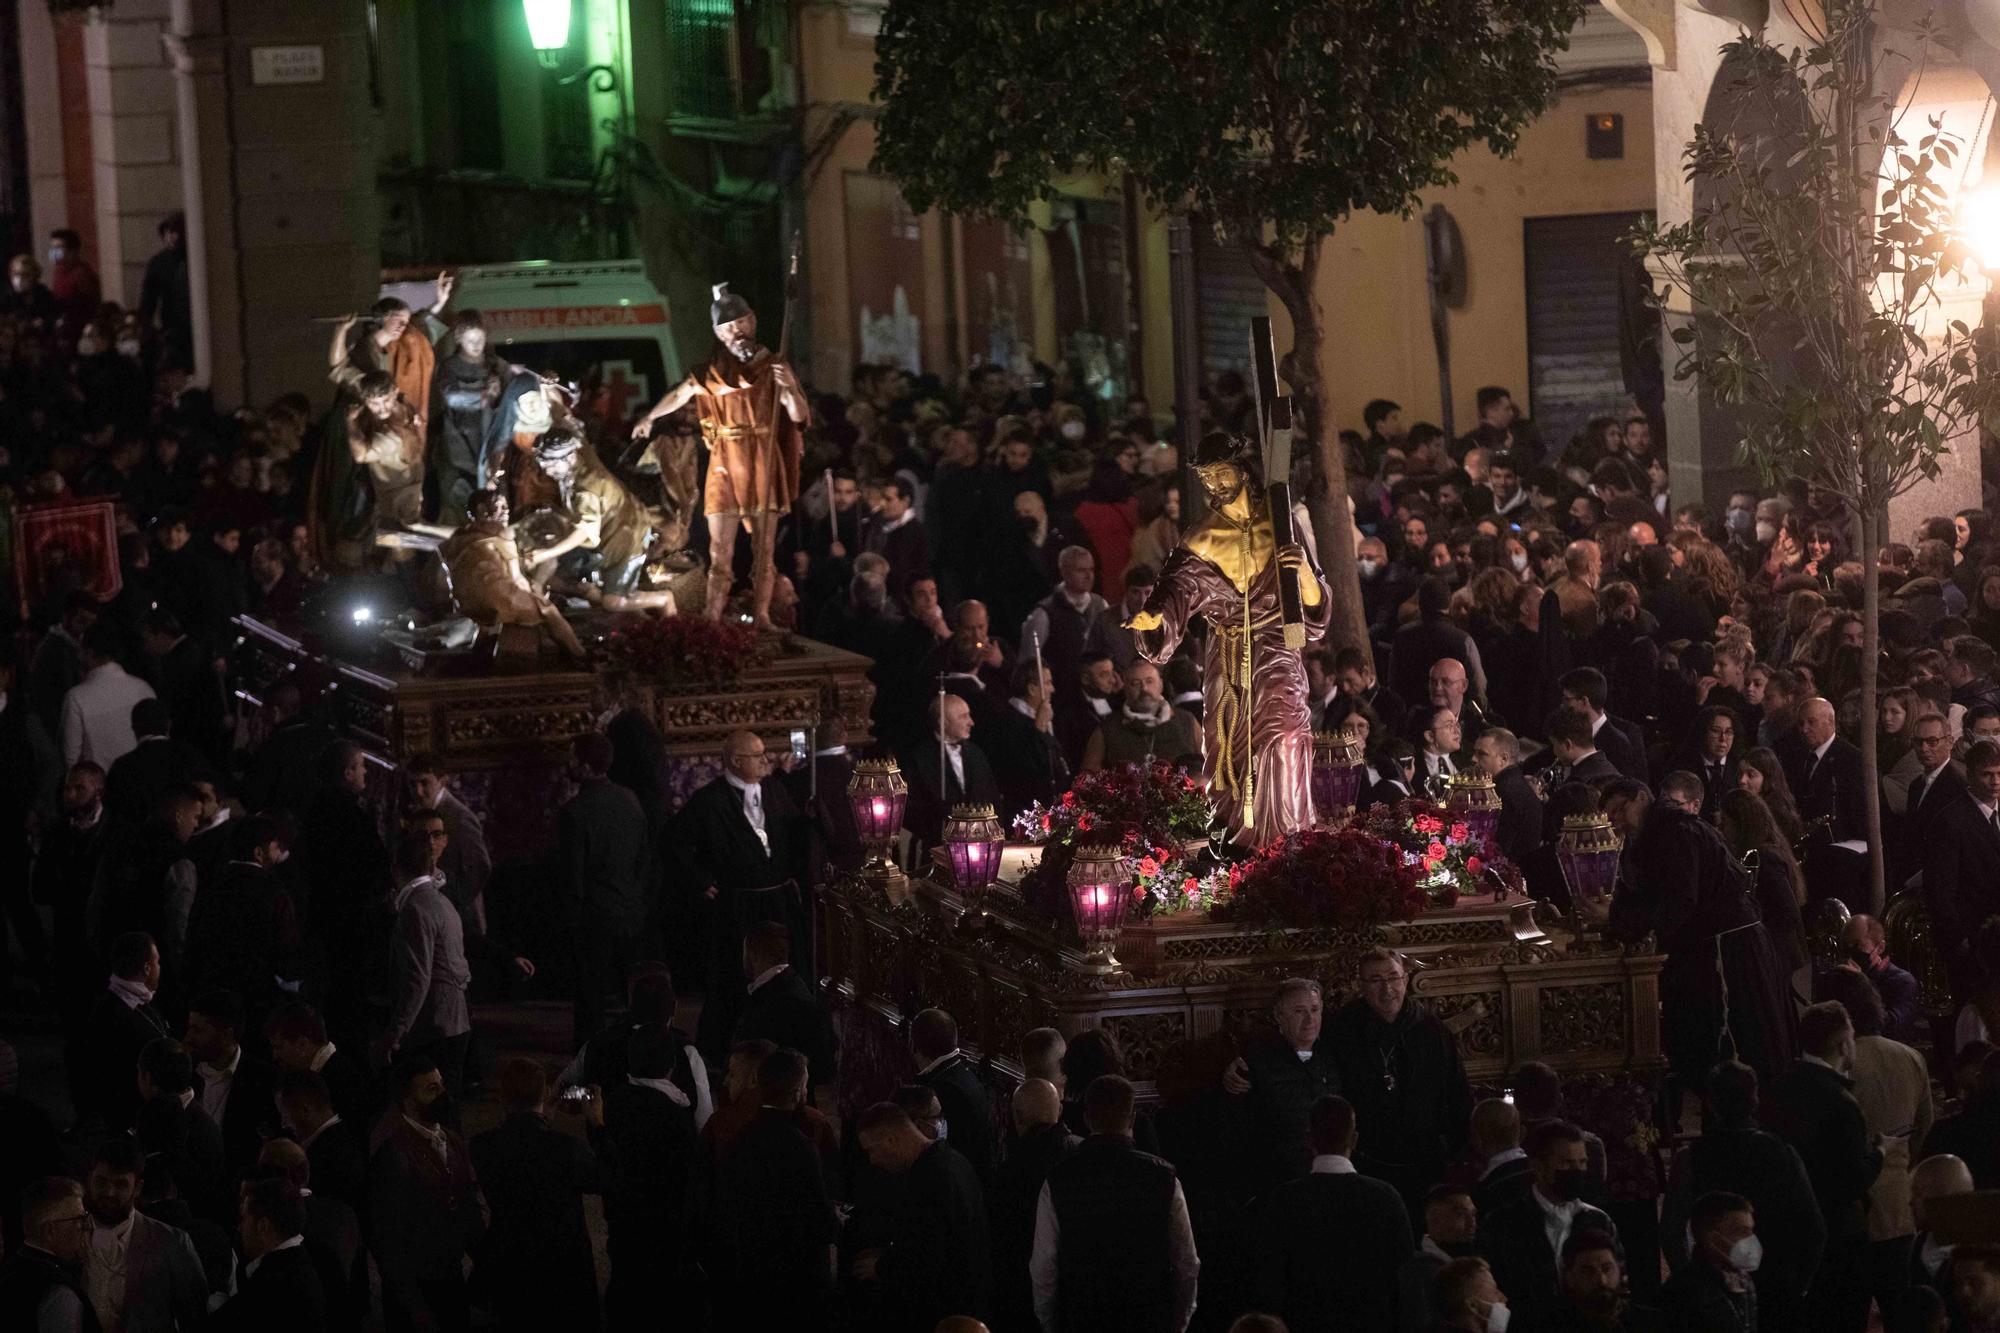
{"points": [[1475, 1016], [1146, 1038], [1583, 1018]]}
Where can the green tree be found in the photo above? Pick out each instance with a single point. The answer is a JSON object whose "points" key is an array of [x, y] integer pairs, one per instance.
{"points": [[1270, 120], [1806, 289]]}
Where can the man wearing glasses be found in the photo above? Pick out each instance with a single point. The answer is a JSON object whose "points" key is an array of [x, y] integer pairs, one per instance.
{"points": [[1937, 786], [43, 1278], [1399, 1066]]}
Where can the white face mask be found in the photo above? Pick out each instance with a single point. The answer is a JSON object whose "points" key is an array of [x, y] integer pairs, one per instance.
{"points": [[1072, 430], [1747, 1255], [129, 347], [88, 347], [1368, 567], [1520, 562], [1496, 1318], [1766, 531]]}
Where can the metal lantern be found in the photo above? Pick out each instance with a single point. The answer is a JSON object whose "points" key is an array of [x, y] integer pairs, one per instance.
{"points": [[1588, 850], [1100, 893], [1474, 801], [973, 839], [1826, 922], [1336, 777], [877, 794]]}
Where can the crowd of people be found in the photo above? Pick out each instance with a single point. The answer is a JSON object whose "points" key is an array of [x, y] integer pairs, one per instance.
{"points": [[259, 941]]}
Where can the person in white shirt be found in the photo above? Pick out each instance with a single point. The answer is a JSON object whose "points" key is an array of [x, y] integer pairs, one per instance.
{"points": [[97, 711], [1441, 741], [140, 1275]]}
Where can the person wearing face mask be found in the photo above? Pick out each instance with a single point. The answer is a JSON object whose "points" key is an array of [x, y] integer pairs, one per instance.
{"points": [[1812, 1107], [1524, 1237], [73, 283], [1469, 1300], [1715, 1293], [27, 297], [1385, 585]]}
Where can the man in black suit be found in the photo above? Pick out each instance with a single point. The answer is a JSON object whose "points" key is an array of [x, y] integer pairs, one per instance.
{"points": [[243, 931], [158, 764], [638, 751], [282, 775], [296, 1037], [1710, 758], [536, 1259], [819, 788], [1962, 867], [170, 1125], [1329, 1243], [896, 533], [782, 1007], [1040, 1141], [943, 1068], [947, 770], [334, 1146], [1620, 741], [332, 1232], [775, 1225], [1289, 1071], [1505, 1173], [1113, 1245], [1524, 1238], [742, 847], [936, 1262], [279, 1287], [1020, 740], [1497, 753], [72, 850], [1448, 687], [1934, 790], [234, 1088], [184, 676], [1826, 776], [41, 1282], [1811, 1106], [650, 1122], [1577, 758], [121, 1023], [604, 849]]}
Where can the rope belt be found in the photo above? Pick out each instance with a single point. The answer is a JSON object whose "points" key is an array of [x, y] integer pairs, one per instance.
{"points": [[719, 431]]}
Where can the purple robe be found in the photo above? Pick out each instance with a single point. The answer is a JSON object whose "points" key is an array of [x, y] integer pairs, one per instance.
{"points": [[1279, 762]]}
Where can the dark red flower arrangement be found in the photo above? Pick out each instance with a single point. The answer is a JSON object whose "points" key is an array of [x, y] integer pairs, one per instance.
{"points": [[679, 651], [1348, 878], [1154, 811]]}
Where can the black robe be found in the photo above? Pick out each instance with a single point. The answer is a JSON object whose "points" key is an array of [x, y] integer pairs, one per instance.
{"points": [[1680, 882]]}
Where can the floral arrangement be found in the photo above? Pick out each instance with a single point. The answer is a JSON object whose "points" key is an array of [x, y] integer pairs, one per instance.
{"points": [[1157, 813], [1347, 877], [683, 650], [1448, 861]]}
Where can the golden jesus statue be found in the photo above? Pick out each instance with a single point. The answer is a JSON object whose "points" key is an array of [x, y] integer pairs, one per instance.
{"points": [[1256, 730]]}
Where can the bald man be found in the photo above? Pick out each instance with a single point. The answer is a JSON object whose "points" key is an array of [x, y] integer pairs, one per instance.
{"points": [[1934, 1178], [945, 770], [741, 843], [1040, 1141], [1448, 686], [1827, 779], [332, 1232]]}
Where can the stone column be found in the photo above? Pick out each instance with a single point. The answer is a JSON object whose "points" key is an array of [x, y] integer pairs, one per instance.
{"points": [[133, 139]]}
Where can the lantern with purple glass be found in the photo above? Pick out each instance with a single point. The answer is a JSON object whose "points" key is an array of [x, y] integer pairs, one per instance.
{"points": [[1336, 778], [1588, 850], [972, 841], [877, 794], [1100, 894], [1473, 800]]}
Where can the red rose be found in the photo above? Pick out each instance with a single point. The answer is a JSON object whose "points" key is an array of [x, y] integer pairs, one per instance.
{"points": [[1435, 852], [1069, 799], [1459, 832], [1473, 865], [1084, 821], [1191, 886], [1148, 866], [1138, 893]]}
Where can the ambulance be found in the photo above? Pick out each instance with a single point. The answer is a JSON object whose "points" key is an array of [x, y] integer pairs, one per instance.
{"points": [[599, 324]]}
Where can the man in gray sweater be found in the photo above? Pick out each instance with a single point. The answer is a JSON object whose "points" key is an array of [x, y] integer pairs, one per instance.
{"points": [[427, 968]]}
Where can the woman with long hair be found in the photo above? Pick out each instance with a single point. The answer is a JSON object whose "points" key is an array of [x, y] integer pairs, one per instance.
{"points": [[1895, 716], [1159, 525], [1826, 549], [1983, 615], [1759, 772], [1747, 826]]}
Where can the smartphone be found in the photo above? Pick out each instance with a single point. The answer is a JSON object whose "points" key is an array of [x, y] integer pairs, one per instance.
{"points": [[575, 1096], [800, 750]]}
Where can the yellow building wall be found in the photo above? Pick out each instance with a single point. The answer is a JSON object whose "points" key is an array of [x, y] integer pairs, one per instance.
{"points": [[1374, 297], [1372, 283]]}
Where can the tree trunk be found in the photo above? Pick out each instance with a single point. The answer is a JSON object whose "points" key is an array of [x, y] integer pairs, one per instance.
{"points": [[1304, 370], [1871, 649]]}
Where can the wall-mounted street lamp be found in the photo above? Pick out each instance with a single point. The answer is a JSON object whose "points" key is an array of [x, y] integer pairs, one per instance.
{"points": [[548, 28]]}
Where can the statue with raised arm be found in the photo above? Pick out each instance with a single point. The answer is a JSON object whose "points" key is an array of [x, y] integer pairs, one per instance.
{"points": [[1256, 730], [753, 414]]}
